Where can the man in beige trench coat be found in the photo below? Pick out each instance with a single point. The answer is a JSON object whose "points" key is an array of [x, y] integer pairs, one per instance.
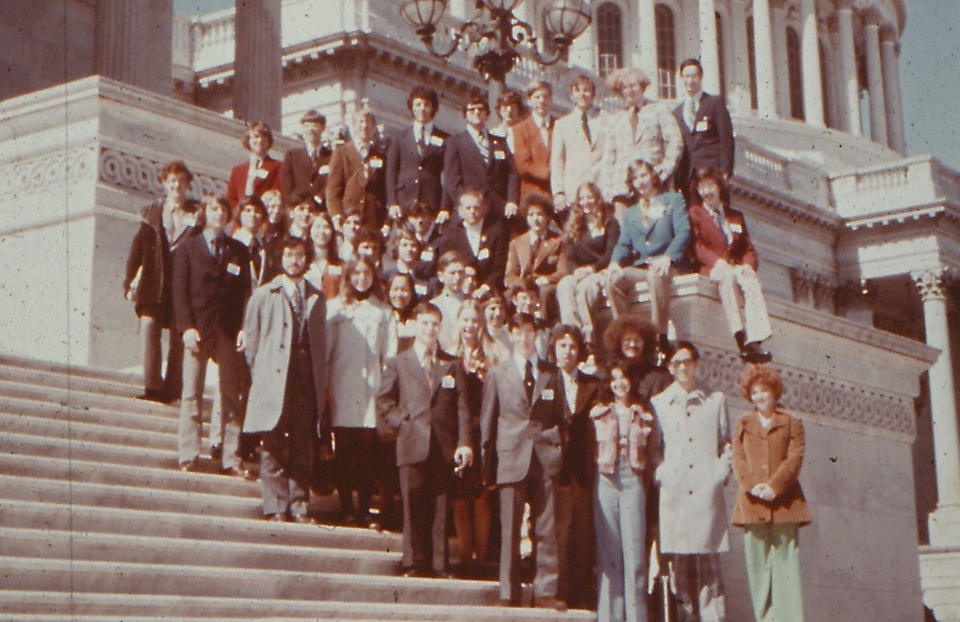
{"points": [[695, 429]]}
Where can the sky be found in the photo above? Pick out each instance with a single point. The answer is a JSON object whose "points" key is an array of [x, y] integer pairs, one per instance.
{"points": [[929, 76]]}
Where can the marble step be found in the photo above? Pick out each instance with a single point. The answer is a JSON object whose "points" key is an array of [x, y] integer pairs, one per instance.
{"points": [[165, 524], [165, 422], [71, 381], [147, 549], [10, 360], [81, 607], [81, 576], [107, 453], [84, 399], [78, 432]]}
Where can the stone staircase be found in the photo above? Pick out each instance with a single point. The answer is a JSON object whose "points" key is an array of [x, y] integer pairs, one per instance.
{"points": [[97, 524]]}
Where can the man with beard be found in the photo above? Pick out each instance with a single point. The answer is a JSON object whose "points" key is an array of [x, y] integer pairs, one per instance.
{"points": [[283, 340]]}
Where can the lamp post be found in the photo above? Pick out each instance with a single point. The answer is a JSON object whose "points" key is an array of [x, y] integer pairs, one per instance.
{"points": [[500, 38]]}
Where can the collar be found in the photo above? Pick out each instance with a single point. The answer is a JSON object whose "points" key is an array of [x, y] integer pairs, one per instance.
{"points": [[570, 378], [209, 235], [475, 133], [420, 350], [289, 286], [313, 150], [360, 145], [521, 362], [696, 98], [679, 395], [242, 235], [427, 129], [534, 237], [255, 162], [541, 122], [475, 229]]}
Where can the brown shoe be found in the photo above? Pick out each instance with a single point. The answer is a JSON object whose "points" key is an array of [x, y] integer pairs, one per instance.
{"points": [[190, 466], [279, 517], [304, 519], [236, 471], [550, 602]]}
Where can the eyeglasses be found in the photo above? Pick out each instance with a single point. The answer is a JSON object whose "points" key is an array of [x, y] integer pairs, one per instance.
{"points": [[476, 108], [679, 362]]}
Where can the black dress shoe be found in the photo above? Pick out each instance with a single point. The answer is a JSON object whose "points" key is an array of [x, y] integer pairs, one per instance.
{"points": [[550, 602], [413, 572], [236, 471], [753, 354], [216, 453], [153, 395], [279, 517], [506, 602], [304, 519], [190, 466]]}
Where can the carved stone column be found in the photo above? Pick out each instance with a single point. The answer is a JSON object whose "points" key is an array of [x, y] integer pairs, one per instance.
{"points": [[945, 520], [709, 55], [647, 32], [258, 65], [778, 26], [763, 52], [878, 109], [739, 95], [134, 44], [891, 90], [810, 63], [849, 82]]}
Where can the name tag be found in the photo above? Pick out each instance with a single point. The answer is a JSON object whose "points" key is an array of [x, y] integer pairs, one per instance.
{"points": [[702, 126], [334, 270], [427, 255], [552, 259], [499, 155], [233, 269], [736, 227], [448, 382], [421, 289], [436, 141], [324, 170], [484, 253], [547, 395], [261, 173], [376, 163]]}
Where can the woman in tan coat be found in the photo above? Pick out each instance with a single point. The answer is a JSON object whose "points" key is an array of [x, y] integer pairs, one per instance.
{"points": [[767, 455]]}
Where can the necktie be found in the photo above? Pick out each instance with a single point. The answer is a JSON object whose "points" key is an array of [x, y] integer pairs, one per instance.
{"points": [[534, 251], [689, 113], [315, 159], [528, 380], [634, 111], [586, 127], [296, 305], [428, 367], [545, 131], [421, 141], [252, 177], [484, 145], [217, 248]]}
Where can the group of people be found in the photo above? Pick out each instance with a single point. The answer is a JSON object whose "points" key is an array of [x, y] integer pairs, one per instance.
{"points": [[420, 315]]}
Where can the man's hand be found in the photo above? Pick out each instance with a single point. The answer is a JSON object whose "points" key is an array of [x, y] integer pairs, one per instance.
{"points": [[510, 210], [763, 492], [395, 213], [241, 341], [659, 264], [191, 340], [463, 457], [442, 217]]}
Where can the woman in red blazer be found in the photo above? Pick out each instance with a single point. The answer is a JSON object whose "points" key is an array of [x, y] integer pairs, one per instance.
{"points": [[258, 174], [722, 247]]}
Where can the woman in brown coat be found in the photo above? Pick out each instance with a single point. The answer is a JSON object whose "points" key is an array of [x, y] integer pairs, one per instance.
{"points": [[767, 455]]}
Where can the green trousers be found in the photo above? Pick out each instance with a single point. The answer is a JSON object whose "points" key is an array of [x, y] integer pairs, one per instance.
{"points": [[773, 571]]}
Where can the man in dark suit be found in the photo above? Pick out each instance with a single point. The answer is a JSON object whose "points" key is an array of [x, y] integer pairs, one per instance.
{"points": [[305, 169], [423, 404], [211, 284], [478, 237], [357, 182], [576, 552], [475, 159], [284, 343], [706, 128], [415, 158], [521, 433]]}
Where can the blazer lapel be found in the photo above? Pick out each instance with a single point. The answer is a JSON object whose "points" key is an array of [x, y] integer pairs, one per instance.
{"points": [[584, 393], [440, 369], [543, 378]]}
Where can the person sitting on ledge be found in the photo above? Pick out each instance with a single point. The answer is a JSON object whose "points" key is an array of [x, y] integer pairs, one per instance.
{"points": [[726, 256]]}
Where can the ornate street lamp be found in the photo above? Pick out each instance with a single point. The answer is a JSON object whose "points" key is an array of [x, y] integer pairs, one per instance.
{"points": [[499, 37]]}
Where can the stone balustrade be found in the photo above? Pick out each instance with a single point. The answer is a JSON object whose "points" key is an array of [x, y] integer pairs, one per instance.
{"points": [[910, 183]]}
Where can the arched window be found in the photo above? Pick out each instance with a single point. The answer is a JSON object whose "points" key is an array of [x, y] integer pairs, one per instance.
{"points": [[794, 74], [825, 85], [609, 38], [666, 52], [723, 80], [752, 62]]}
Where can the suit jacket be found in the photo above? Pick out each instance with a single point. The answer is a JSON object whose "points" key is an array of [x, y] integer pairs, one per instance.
{"points": [[709, 243], [532, 155], [516, 427], [580, 440], [208, 293], [412, 176], [465, 169], [414, 409], [268, 326], [298, 174], [267, 179], [358, 184], [709, 142], [573, 159], [491, 258], [550, 261], [656, 139], [773, 455], [668, 235]]}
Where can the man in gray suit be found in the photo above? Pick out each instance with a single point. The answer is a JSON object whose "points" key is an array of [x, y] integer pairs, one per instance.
{"points": [[520, 430], [423, 404], [283, 340]]}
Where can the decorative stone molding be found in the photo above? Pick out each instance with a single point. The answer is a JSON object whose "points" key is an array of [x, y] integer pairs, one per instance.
{"points": [[50, 171], [932, 284], [811, 289], [125, 170], [807, 392]]}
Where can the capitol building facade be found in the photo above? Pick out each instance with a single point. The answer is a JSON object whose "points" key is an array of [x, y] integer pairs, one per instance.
{"points": [[859, 245]]}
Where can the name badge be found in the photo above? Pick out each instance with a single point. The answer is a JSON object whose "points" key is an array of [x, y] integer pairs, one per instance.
{"points": [[552, 259], [324, 170], [484, 253], [448, 382], [736, 227], [334, 270], [702, 126], [262, 173], [436, 141], [547, 395], [233, 269], [499, 155], [427, 255], [421, 289], [376, 163]]}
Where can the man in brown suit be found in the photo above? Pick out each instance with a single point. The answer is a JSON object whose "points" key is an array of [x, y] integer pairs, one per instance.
{"points": [[532, 139], [357, 180], [305, 168], [538, 253]]}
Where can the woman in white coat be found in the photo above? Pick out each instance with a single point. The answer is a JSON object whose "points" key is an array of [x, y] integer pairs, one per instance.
{"points": [[359, 340], [695, 432]]}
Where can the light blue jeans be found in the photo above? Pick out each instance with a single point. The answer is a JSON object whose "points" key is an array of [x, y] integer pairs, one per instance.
{"points": [[619, 516]]}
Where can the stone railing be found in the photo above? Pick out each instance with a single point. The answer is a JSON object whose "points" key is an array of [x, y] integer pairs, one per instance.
{"points": [[908, 183], [789, 176]]}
